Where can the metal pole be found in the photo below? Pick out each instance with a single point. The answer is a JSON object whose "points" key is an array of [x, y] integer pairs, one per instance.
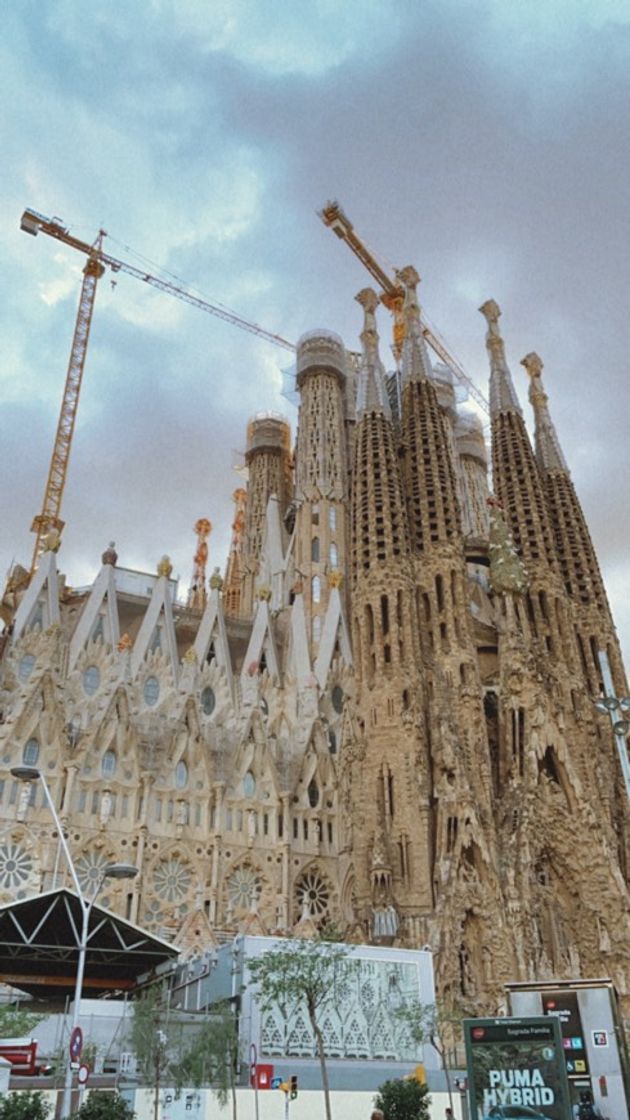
{"points": [[286, 1105], [620, 739], [66, 1104], [62, 839]]}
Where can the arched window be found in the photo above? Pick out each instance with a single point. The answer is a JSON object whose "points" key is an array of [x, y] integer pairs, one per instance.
{"points": [[108, 764], [313, 794], [151, 691], [208, 701], [26, 666], [181, 775], [30, 754], [332, 518], [315, 550], [316, 589], [91, 679], [317, 627], [334, 555]]}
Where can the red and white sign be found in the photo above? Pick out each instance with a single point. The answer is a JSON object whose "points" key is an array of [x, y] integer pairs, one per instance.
{"points": [[261, 1076], [83, 1074], [76, 1044]]}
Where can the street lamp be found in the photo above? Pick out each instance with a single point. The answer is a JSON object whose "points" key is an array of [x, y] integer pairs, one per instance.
{"points": [[615, 707], [110, 871]]}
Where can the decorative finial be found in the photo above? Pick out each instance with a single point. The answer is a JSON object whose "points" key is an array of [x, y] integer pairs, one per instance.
{"points": [[548, 451], [110, 556], [503, 396], [371, 391], [533, 364], [416, 363], [216, 580], [335, 578], [165, 567], [264, 594], [190, 657], [491, 312], [125, 644]]}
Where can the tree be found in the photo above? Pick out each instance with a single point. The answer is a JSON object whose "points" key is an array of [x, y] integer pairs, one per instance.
{"points": [[213, 1055], [301, 974], [24, 1106], [403, 1100], [17, 1023], [427, 1022], [105, 1106], [149, 1040]]}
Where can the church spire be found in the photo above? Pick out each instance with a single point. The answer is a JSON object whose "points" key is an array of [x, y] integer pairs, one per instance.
{"points": [[371, 389], [416, 364], [548, 450], [503, 396]]}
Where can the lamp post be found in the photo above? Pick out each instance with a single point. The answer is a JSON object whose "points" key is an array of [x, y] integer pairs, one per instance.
{"points": [[110, 871], [615, 707]]}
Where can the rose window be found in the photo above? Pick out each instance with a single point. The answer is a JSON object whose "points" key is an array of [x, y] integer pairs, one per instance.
{"points": [[172, 880], [16, 866], [243, 887], [90, 869], [313, 890], [153, 915]]}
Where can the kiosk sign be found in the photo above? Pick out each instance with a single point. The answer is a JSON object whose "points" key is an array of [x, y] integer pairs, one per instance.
{"points": [[516, 1069]]}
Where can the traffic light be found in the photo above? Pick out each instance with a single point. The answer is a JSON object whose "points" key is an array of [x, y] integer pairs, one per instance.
{"points": [[293, 1092]]}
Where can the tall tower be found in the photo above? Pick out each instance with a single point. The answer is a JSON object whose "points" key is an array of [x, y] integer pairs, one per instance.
{"points": [[390, 785], [559, 847], [465, 859], [321, 474], [233, 584], [268, 457], [519, 488], [578, 564]]}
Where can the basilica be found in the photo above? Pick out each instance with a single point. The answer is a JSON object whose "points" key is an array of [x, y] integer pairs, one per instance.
{"points": [[378, 715]]}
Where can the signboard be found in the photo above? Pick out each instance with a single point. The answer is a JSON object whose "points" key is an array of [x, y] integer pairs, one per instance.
{"points": [[83, 1074], [564, 1006], [261, 1076], [516, 1069], [600, 1038], [76, 1044]]}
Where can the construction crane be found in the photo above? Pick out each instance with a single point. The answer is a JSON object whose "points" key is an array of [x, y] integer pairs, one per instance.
{"points": [[393, 297], [48, 521]]}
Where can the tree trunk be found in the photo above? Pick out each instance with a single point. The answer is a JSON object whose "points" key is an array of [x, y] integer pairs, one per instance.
{"points": [[442, 1053], [233, 1058], [322, 1063]]}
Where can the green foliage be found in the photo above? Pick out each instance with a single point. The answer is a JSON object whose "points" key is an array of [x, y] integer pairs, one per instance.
{"points": [[149, 1040], [17, 1023], [303, 971], [24, 1106], [213, 1055], [105, 1106], [403, 1100]]}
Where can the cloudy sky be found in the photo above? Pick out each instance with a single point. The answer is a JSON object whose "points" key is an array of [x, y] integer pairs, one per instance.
{"points": [[485, 141]]}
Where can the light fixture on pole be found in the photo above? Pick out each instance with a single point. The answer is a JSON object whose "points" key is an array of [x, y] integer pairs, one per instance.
{"points": [[616, 707], [110, 871]]}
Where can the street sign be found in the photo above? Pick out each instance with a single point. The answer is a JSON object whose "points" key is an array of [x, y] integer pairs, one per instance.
{"points": [[83, 1074], [76, 1044]]}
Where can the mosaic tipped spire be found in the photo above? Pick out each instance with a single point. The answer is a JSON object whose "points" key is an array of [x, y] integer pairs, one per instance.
{"points": [[371, 388], [416, 363], [503, 396], [548, 451]]}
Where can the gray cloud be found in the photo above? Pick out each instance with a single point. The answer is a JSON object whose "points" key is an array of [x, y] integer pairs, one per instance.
{"points": [[487, 143]]}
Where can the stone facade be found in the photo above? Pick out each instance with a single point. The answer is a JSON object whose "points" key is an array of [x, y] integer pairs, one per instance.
{"points": [[384, 721]]}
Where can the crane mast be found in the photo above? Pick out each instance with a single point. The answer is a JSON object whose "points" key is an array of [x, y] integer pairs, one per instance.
{"points": [[393, 297], [49, 518], [31, 222]]}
